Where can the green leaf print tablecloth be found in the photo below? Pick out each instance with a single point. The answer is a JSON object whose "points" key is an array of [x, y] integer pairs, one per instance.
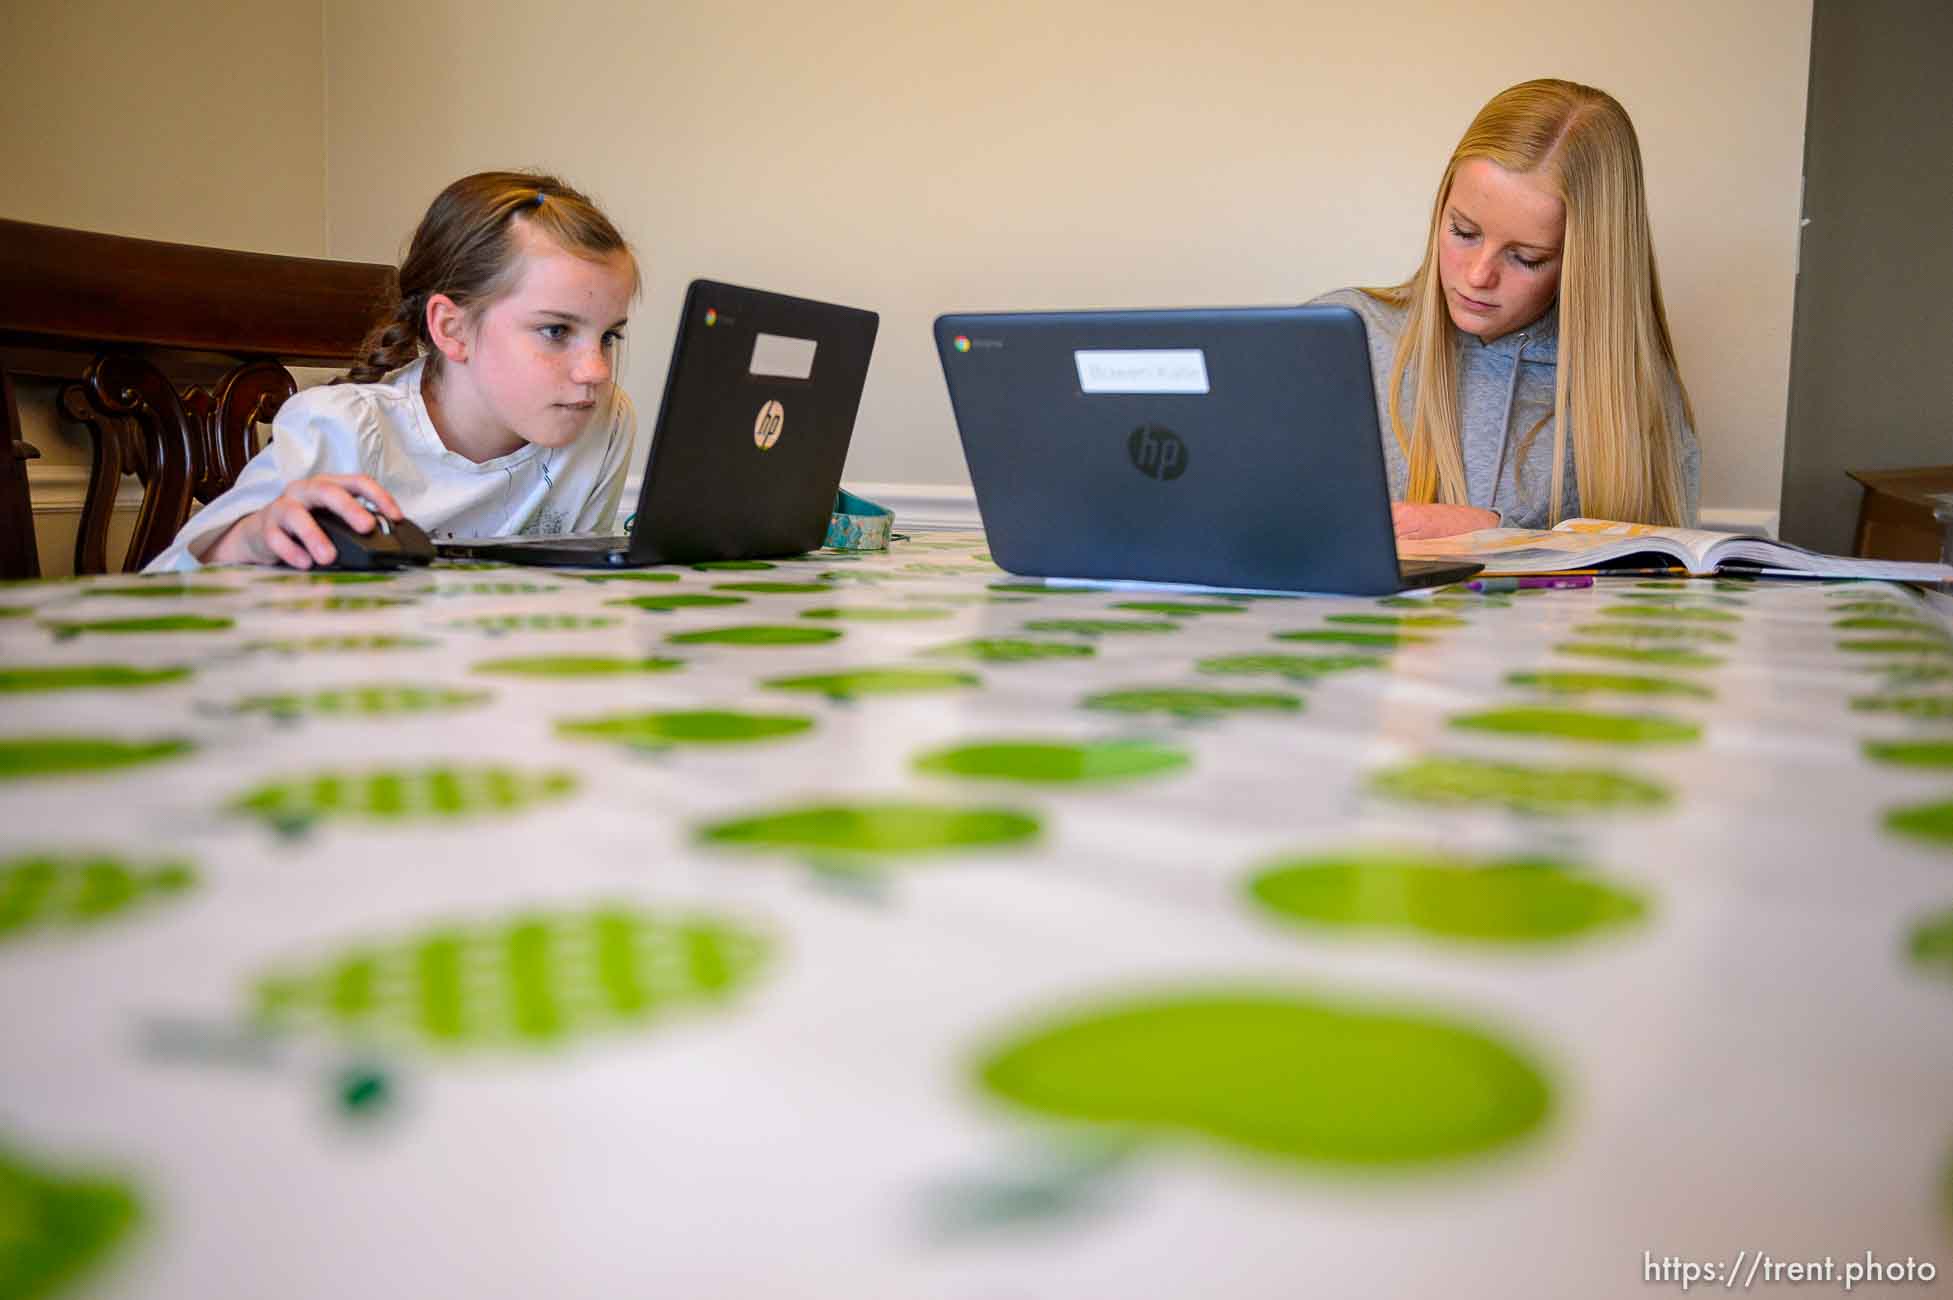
{"points": [[891, 926]]}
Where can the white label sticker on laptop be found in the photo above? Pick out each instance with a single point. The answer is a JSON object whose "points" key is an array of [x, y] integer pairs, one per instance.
{"points": [[782, 357], [1174, 370]]}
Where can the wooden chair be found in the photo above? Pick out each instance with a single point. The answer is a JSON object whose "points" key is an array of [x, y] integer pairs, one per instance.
{"points": [[168, 355]]}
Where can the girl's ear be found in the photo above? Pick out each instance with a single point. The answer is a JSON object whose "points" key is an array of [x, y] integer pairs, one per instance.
{"points": [[447, 326]]}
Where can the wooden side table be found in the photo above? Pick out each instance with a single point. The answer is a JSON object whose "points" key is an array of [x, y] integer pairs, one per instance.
{"points": [[1895, 518]]}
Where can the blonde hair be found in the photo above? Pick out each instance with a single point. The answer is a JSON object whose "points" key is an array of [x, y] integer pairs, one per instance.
{"points": [[465, 247], [1616, 359]]}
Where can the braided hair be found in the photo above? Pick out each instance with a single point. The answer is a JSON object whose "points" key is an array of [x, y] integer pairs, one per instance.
{"points": [[465, 247]]}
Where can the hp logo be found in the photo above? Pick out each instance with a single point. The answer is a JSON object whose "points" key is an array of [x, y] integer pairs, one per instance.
{"points": [[1157, 452], [766, 429]]}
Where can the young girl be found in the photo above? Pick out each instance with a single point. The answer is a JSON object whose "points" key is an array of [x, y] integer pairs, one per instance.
{"points": [[1526, 370], [486, 403]]}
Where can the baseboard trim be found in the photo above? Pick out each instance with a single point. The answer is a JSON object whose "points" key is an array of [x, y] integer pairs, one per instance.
{"points": [[61, 489], [933, 506], [925, 506], [951, 505]]}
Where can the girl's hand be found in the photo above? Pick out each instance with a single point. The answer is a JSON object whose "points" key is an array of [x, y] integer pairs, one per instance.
{"points": [[284, 532], [1426, 519]]}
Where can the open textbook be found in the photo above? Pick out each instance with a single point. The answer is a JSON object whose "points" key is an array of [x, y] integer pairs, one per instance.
{"points": [[1604, 544]]}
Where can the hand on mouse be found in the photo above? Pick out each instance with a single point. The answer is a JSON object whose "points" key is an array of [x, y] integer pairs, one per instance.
{"points": [[284, 532], [1417, 519]]}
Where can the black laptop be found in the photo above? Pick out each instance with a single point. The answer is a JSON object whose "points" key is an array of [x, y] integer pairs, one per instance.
{"points": [[752, 433], [1232, 447]]}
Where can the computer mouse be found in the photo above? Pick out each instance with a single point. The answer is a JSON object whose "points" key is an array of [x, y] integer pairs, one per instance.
{"points": [[393, 543]]}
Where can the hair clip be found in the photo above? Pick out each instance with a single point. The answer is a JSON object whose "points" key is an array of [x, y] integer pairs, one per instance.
{"points": [[540, 196]]}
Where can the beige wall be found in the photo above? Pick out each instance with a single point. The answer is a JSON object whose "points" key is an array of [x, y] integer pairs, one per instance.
{"points": [[922, 158], [196, 121], [927, 157]]}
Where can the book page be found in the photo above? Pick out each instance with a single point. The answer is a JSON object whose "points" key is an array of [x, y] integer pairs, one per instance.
{"points": [[1697, 542], [1591, 543], [1538, 550]]}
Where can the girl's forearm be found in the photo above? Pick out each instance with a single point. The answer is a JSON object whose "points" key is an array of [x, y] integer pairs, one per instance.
{"points": [[230, 546]]}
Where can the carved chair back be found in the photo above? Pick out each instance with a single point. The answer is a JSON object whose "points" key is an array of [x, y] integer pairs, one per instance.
{"points": [[169, 354]]}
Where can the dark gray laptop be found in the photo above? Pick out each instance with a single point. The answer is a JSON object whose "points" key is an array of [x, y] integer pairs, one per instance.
{"points": [[1231, 447], [752, 433]]}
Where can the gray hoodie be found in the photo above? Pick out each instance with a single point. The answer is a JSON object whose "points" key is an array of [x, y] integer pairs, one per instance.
{"points": [[1504, 388]]}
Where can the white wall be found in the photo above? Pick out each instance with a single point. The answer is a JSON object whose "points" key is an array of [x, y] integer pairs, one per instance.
{"points": [[927, 157], [197, 121], [922, 158]]}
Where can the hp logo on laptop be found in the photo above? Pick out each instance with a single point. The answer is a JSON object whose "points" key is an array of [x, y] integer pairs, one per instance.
{"points": [[1157, 452], [766, 429]]}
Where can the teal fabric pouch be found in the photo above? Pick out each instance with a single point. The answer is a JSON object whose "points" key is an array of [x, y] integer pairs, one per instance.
{"points": [[858, 524]]}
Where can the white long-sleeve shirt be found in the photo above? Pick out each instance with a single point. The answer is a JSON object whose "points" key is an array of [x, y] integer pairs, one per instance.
{"points": [[383, 430]]}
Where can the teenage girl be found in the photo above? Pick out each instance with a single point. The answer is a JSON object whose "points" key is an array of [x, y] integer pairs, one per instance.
{"points": [[486, 403], [1525, 374]]}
